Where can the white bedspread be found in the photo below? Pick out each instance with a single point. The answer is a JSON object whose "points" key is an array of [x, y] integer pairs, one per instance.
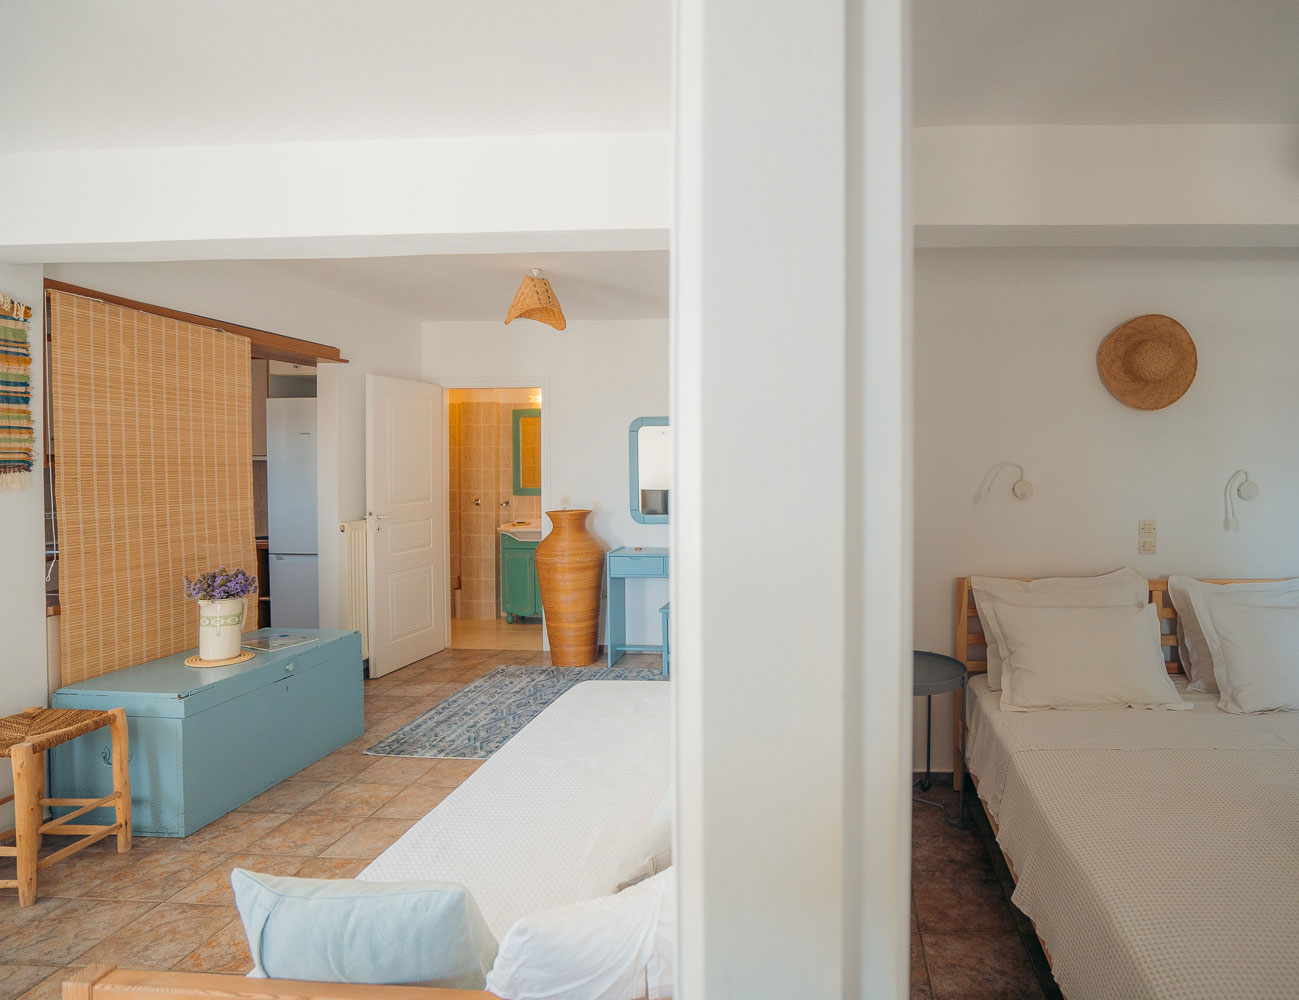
{"points": [[1157, 853], [548, 818]]}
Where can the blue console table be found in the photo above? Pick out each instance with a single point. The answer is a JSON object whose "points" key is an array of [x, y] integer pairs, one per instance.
{"points": [[205, 740], [622, 565]]}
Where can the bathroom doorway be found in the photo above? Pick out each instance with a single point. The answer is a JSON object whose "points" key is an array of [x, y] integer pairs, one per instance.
{"points": [[494, 470]]}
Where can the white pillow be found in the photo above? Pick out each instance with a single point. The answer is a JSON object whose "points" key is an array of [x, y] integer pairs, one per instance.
{"points": [[651, 854], [610, 948], [1122, 587], [1197, 659], [1081, 658], [1253, 638]]}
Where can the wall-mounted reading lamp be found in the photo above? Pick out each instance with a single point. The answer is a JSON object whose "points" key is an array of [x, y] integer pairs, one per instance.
{"points": [[1238, 485], [1022, 489]]}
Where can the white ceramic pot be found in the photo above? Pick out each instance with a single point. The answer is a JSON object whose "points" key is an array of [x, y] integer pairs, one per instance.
{"points": [[220, 628]]}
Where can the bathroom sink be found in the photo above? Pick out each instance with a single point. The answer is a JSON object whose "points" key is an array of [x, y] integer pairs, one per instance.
{"points": [[523, 531]]}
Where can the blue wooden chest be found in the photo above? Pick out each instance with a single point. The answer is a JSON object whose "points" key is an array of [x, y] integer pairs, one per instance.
{"points": [[205, 740]]}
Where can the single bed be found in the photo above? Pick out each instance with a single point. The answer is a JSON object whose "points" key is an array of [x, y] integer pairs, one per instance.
{"points": [[1157, 853], [548, 819]]}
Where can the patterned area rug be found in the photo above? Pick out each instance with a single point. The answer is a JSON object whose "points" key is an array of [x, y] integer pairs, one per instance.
{"points": [[477, 720]]}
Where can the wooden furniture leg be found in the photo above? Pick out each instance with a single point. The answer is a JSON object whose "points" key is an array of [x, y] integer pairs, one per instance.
{"points": [[121, 777], [27, 819]]}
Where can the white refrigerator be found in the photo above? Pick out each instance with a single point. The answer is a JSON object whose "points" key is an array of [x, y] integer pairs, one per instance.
{"points": [[291, 501]]}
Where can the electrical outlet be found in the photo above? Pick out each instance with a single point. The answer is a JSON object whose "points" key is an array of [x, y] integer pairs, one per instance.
{"points": [[1146, 537], [565, 501], [597, 506]]}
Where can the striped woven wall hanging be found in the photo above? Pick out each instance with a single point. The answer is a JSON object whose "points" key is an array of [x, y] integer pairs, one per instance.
{"points": [[17, 434]]}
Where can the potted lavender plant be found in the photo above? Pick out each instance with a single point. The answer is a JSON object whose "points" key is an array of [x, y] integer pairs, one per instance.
{"points": [[220, 595]]}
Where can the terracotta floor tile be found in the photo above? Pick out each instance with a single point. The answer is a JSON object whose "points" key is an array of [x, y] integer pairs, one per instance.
{"points": [[225, 951], [63, 934], [213, 889], [332, 867], [961, 905], [354, 798], [980, 966], [382, 724], [161, 937], [386, 703], [14, 918], [305, 835], [449, 773], [338, 766], [919, 975], [395, 770], [414, 802], [233, 832], [368, 839], [959, 854], [51, 988], [156, 875], [15, 980], [289, 796]]}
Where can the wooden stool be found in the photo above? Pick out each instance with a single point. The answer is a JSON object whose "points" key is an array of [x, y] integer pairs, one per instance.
{"points": [[24, 739]]}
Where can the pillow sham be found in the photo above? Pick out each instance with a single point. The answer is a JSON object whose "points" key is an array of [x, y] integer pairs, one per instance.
{"points": [[616, 947], [1253, 639], [345, 931], [1197, 658], [1123, 587], [1081, 658]]}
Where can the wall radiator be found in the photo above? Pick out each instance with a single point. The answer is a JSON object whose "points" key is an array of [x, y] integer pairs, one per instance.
{"points": [[354, 589]]}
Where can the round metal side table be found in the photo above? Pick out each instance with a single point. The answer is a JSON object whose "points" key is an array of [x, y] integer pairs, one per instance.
{"points": [[934, 673]]}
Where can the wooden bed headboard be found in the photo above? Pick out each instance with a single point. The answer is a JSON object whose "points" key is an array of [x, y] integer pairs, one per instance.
{"points": [[972, 647]]}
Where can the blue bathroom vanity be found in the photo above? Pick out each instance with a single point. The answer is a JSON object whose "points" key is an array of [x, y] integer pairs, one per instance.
{"points": [[621, 565], [520, 592], [205, 740]]}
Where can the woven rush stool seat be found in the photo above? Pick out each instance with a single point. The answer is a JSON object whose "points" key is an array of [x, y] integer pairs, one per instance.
{"points": [[24, 739], [48, 727]]}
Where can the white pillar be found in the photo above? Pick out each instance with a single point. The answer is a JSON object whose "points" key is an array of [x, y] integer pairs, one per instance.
{"points": [[790, 550]]}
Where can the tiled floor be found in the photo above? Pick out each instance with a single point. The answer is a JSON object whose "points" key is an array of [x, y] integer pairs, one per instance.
{"points": [[495, 633], [968, 942], [167, 903]]}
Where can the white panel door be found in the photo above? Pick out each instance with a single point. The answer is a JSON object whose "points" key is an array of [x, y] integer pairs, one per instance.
{"points": [[406, 499]]}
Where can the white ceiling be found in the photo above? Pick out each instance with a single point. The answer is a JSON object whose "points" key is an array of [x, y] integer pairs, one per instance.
{"points": [[589, 286], [1086, 62], [92, 74]]}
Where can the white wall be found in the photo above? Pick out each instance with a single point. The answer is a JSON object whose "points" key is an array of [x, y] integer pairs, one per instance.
{"points": [[371, 339], [603, 375], [1006, 371], [22, 512]]}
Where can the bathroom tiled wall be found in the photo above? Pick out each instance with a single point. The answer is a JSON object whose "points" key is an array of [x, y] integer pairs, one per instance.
{"points": [[481, 469]]}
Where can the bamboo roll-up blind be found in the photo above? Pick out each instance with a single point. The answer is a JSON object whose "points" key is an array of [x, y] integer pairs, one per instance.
{"points": [[152, 445]]}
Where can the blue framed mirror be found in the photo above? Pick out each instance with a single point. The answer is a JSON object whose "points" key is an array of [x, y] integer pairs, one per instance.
{"points": [[650, 449]]}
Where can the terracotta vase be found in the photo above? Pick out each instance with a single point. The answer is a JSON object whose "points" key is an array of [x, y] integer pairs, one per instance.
{"points": [[570, 567]]}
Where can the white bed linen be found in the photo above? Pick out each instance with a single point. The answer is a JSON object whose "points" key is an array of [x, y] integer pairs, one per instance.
{"points": [[547, 820], [1157, 853]]}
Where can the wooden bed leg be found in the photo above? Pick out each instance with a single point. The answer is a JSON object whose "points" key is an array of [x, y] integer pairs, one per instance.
{"points": [[81, 984], [958, 762]]}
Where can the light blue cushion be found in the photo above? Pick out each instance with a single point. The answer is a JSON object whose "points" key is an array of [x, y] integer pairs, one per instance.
{"points": [[344, 931]]}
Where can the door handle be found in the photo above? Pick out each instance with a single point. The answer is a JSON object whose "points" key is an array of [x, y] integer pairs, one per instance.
{"points": [[380, 517]]}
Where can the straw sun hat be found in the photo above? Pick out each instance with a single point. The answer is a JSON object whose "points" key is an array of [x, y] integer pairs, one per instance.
{"points": [[1148, 362]]}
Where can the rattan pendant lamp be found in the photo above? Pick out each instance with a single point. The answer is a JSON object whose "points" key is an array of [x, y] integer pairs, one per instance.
{"points": [[535, 299]]}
